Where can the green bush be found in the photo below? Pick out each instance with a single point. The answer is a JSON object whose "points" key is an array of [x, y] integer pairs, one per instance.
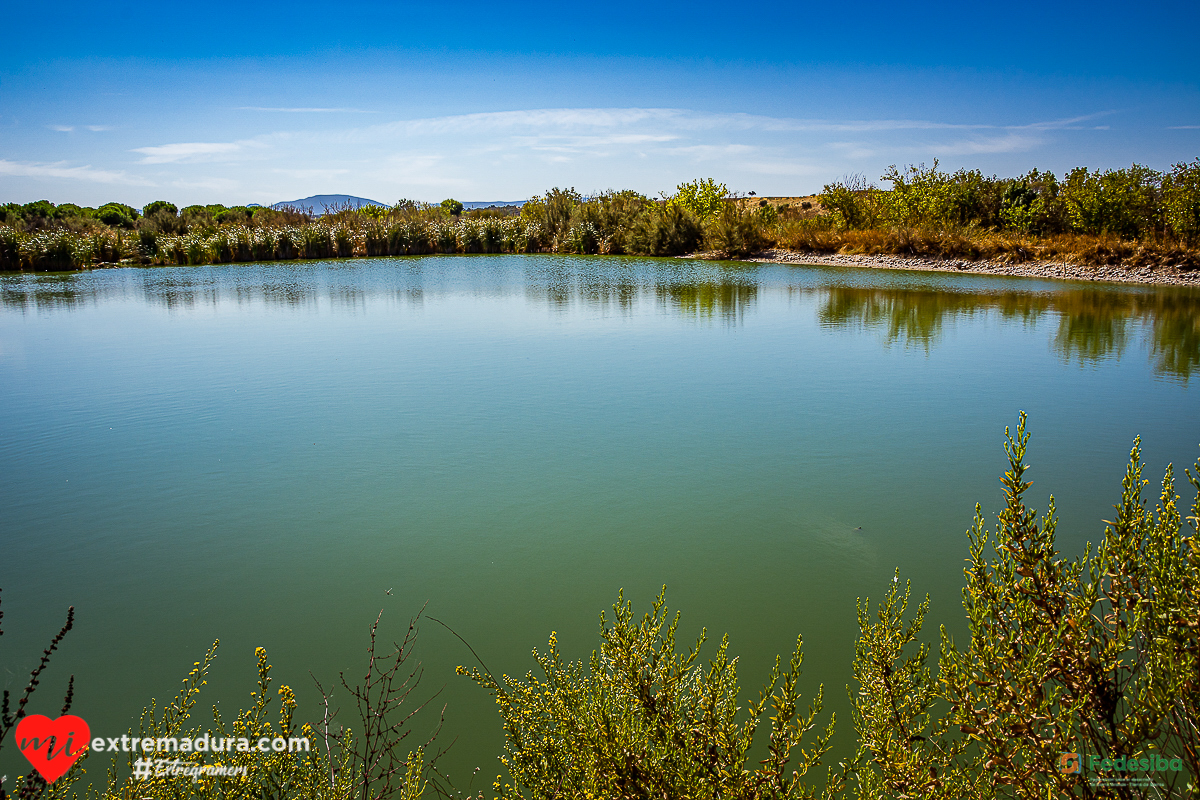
{"points": [[643, 720], [315, 241], [552, 212], [340, 763], [923, 195], [737, 231], [666, 229], [583, 238], [612, 215], [343, 241], [852, 203], [375, 238], [446, 238], [1096, 656], [197, 218], [148, 243], [160, 206], [1122, 202], [10, 250], [1181, 201], [469, 236], [117, 215], [237, 215]]}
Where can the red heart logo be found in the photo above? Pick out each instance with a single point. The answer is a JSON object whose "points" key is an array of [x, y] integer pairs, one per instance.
{"points": [[52, 745]]}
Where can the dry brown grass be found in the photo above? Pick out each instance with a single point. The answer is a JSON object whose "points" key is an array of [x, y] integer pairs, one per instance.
{"points": [[973, 244]]}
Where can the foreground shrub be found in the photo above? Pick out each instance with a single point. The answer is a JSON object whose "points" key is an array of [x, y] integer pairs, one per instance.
{"points": [[644, 720], [1092, 658], [1092, 661], [368, 764]]}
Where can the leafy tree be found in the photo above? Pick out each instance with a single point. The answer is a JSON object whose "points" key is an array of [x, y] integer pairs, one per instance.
{"points": [[38, 209], [453, 207], [237, 215], [703, 198], [160, 206], [198, 217], [117, 215]]}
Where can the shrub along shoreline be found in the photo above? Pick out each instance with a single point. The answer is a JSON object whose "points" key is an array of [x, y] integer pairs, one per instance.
{"points": [[1135, 220]]}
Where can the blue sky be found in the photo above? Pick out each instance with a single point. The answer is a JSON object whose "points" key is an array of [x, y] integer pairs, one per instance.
{"points": [[256, 102]]}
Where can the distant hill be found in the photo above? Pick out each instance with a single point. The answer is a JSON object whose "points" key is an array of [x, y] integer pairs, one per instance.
{"points": [[319, 202]]}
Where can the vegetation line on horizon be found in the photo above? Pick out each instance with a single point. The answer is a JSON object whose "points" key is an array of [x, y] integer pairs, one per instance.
{"points": [[1133, 217]]}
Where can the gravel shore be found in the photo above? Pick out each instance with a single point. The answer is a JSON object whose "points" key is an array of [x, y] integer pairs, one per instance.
{"points": [[1033, 269]]}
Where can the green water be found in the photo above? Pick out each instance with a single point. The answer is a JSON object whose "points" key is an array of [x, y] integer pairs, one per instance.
{"points": [[260, 452]]}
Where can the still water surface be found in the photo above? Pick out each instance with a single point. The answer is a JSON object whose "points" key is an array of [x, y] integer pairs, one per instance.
{"points": [[260, 453]]}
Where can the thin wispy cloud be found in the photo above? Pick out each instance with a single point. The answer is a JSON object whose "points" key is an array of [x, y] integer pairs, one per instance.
{"points": [[59, 169], [575, 118], [555, 121], [1069, 124], [192, 151], [69, 128], [305, 110], [709, 152], [213, 184], [791, 168], [1012, 143], [1183, 127]]}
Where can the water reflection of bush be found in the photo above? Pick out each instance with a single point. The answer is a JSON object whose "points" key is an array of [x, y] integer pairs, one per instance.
{"points": [[727, 300], [1093, 324]]}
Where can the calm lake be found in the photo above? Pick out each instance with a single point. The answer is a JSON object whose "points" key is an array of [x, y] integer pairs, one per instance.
{"points": [[269, 454]]}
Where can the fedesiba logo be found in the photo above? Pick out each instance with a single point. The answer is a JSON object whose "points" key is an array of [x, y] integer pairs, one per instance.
{"points": [[1121, 770], [1070, 764]]}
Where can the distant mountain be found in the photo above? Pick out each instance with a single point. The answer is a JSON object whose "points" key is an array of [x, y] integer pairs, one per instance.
{"points": [[319, 202], [487, 203]]}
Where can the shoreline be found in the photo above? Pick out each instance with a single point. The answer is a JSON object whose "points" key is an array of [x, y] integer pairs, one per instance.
{"points": [[1159, 276], [1052, 270]]}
